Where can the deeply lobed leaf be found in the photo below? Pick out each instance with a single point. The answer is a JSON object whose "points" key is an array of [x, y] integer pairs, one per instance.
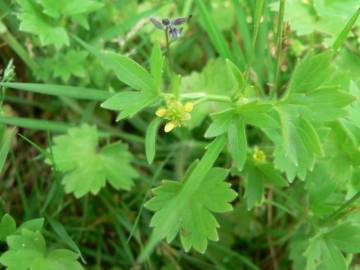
{"points": [[197, 223], [86, 168]]}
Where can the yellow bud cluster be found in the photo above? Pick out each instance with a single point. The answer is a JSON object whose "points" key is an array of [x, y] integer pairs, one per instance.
{"points": [[175, 113], [259, 155]]}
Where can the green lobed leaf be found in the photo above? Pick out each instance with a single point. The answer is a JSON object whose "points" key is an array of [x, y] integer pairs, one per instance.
{"points": [[166, 220], [65, 65], [197, 224], [33, 21], [85, 167], [27, 251]]}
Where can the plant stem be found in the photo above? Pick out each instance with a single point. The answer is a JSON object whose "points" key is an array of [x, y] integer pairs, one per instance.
{"points": [[169, 58], [203, 97], [269, 237], [280, 26], [335, 215], [344, 33]]}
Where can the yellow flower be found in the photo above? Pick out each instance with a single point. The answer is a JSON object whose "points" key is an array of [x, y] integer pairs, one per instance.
{"points": [[175, 112]]}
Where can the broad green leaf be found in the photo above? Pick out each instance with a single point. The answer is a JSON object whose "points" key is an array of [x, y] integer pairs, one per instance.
{"points": [[156, 66], [128, 102], [150, 139], [237, 142], [69, 7], [257, 176], [33, 21], [166, 220], [196, 224], [7, 226], [85, 167], [129, 72], [5, 146]]}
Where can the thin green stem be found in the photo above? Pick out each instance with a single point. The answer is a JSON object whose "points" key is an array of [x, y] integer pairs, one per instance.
{"points": [[280, 27], [345, 32], [201, 97], [335, 215], [169, 57]]}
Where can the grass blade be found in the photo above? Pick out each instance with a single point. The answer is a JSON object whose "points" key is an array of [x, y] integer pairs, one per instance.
{"points": [[62, 233], [6, 146], [243, 27], [216, 36], [344, 33], [60, 90], [35, 124]]}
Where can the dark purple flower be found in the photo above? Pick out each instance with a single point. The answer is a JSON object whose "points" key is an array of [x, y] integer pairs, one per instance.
{"points": [[171, 26]]}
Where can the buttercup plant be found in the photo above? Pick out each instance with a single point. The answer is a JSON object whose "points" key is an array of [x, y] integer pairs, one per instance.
{"points": [[263, 143]]}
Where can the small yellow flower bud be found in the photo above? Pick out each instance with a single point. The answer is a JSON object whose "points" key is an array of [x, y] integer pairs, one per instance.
{"points": [[188, 107], [161, 112], [169, 126], [259, 155]]}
